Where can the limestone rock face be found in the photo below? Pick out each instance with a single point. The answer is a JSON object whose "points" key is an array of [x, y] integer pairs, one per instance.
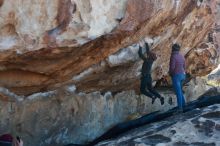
{"points": [[63, 117], [30, 25], [47, 44]]}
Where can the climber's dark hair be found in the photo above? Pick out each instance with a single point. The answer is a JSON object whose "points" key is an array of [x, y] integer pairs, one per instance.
{"points": [[175, 47], [151, 56]]}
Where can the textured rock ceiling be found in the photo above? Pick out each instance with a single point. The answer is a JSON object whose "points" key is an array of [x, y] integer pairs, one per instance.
{"points": [[46, 44]]}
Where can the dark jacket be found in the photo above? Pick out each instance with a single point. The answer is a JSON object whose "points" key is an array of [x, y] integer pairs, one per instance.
{"points": [[146, 67], [177, 63]]}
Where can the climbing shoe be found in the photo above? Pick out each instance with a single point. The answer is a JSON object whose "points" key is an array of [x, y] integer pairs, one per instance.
{"points": [[153, 100], [161, 100]]}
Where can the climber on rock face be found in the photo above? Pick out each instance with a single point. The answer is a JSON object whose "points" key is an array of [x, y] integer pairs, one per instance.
{"points": [[177, 73], [146, 80]]}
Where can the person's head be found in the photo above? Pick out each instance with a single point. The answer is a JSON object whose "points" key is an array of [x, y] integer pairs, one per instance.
{"points": [[175, 47], [151, 56], [6, 140], [9, 140]]}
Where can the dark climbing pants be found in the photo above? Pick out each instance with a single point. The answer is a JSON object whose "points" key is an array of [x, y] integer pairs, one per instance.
{"points": [[146, 82]]}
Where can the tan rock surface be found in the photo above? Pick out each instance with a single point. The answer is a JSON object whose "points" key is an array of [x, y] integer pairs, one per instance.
{"points": [[35, 35]]}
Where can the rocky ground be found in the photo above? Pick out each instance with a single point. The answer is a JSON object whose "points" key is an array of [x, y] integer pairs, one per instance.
{"points": [[199, 127]]}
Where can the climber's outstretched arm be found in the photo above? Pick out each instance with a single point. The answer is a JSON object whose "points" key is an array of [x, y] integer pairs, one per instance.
{"points": [[141, 55]]}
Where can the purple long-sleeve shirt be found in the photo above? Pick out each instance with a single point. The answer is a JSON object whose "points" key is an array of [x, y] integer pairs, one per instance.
{"points": [[177, 63]]}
